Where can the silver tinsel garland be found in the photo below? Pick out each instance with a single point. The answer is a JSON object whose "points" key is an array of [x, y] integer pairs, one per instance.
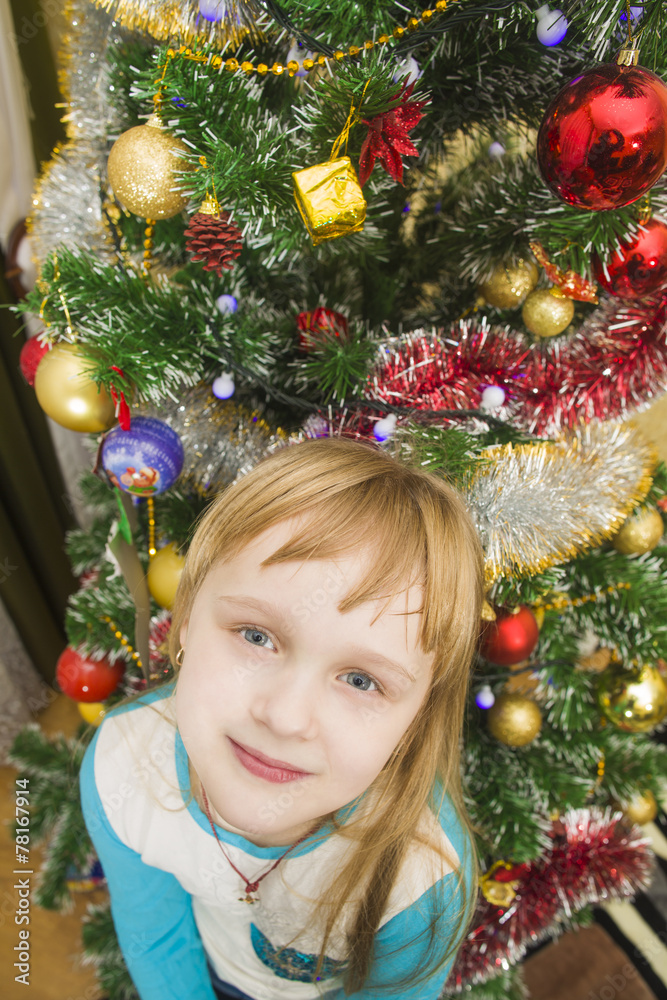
{"points": [[536, 505], [67, 204], [221, 439]]}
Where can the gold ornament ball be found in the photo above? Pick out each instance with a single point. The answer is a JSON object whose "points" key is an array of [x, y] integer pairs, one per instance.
{"points": [[642, 808], [634, 700], [67, 395], [164, 573], [509, 284], [514, 719], [547, 312], [640, 533], [141, 168], [92, 711]]}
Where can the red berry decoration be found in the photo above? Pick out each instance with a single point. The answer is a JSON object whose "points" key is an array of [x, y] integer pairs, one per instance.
{"points": [[87, 680], [511, 638], [211, 237], [639, 266], [603, 139], [31, 354]]}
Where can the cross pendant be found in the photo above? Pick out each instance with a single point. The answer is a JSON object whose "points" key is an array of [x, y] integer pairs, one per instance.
{"points": [[247, 899]]}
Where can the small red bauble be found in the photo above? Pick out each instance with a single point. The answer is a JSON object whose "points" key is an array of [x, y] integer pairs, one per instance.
{"points": [[31, 354], [319, 324], [87, 680], [603, 139], [639, 266], [511, 638]]}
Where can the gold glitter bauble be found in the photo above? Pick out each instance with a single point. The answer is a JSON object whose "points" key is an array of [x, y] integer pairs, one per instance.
{"points": [[141, 168], [514, 720], [640, 533], [547, 312], [67, 394], [642, 808], [164, 573], [634, 700], [509, 284]]}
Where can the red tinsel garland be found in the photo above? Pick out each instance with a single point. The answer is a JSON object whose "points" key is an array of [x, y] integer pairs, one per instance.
{"points": [[593, 856], [614, 364]]}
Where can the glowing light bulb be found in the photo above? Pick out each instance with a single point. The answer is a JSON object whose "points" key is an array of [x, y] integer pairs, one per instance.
{"points": [[223, 386], [551, 26], [385, 427]]}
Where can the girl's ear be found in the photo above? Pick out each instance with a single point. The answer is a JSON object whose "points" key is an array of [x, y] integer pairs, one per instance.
{"points": [[183, 634]]}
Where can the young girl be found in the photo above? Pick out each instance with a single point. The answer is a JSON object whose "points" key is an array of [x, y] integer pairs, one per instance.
{"points": [[284, 820]]}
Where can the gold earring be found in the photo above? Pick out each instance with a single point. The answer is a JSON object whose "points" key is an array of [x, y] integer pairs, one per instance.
{"points": [[179, 657]]}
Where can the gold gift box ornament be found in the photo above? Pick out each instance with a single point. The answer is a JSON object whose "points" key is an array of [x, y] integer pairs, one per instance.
{"points": [[329, 199]]}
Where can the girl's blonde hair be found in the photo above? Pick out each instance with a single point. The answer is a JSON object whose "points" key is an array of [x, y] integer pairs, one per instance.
{"points": [[349, 497]]}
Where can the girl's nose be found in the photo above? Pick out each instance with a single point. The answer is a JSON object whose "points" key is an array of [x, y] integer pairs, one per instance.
{"points": [[288, 704]]}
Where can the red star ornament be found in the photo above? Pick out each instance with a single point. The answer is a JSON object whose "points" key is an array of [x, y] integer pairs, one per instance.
{"points": [[387, 138]]}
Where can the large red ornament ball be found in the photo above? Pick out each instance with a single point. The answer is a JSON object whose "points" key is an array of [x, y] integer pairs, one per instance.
{"points": [[87, 680], [639, 266], [603, 139], [31, 354], [511, 638]]}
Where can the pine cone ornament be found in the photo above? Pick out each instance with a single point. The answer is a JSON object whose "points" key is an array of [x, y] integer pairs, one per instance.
{"points": [[211, 237]]}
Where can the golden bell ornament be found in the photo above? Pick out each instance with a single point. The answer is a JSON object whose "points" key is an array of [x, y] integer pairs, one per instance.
{"points": [[642, 808], [514, 719], [164, 574], [640, 533], [509, 284], [547, 312], [634, 700], [329, 199], [67, 395], [141, 169], [92, 711]]}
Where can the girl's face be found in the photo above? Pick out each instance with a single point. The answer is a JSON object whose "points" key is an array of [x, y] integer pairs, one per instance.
{"points": [[289, 709]]}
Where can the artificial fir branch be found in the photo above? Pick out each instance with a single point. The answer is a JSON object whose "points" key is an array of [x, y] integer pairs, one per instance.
{"points": [[507, 985], [100, 947], [87, 610]]}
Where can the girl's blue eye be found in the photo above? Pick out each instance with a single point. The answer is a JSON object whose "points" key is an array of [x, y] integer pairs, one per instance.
{"points": [[256, 637], [362, 682]]}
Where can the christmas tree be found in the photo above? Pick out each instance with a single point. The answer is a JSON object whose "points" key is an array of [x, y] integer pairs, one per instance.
{"points": [[439, 229]]}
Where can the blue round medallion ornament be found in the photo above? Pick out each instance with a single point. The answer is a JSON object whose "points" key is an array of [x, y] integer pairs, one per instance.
{"points": [[145, 460]]}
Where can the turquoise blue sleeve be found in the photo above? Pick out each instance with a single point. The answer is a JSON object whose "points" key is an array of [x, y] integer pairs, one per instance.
{"points": [[151, 911]]}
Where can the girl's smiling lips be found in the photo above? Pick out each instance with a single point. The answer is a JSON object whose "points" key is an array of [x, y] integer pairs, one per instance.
{"points": [[276, 771]]}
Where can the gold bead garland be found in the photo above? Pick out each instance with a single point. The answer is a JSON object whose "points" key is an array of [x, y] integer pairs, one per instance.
{"points": [[148, 245], [293, 66], [150, 506], [562, 602], [123, 641]]}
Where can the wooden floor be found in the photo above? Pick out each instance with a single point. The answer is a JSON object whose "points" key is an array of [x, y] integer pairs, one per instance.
{"points": [[55, 966]]}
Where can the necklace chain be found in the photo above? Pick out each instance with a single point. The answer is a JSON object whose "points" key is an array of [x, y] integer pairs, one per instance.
{"points": [[250, 887]]}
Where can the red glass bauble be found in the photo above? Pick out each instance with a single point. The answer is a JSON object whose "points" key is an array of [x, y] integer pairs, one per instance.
{"points": [[31, 354], [603, 139], [87, 680], [639, 266], [511, 638]]}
